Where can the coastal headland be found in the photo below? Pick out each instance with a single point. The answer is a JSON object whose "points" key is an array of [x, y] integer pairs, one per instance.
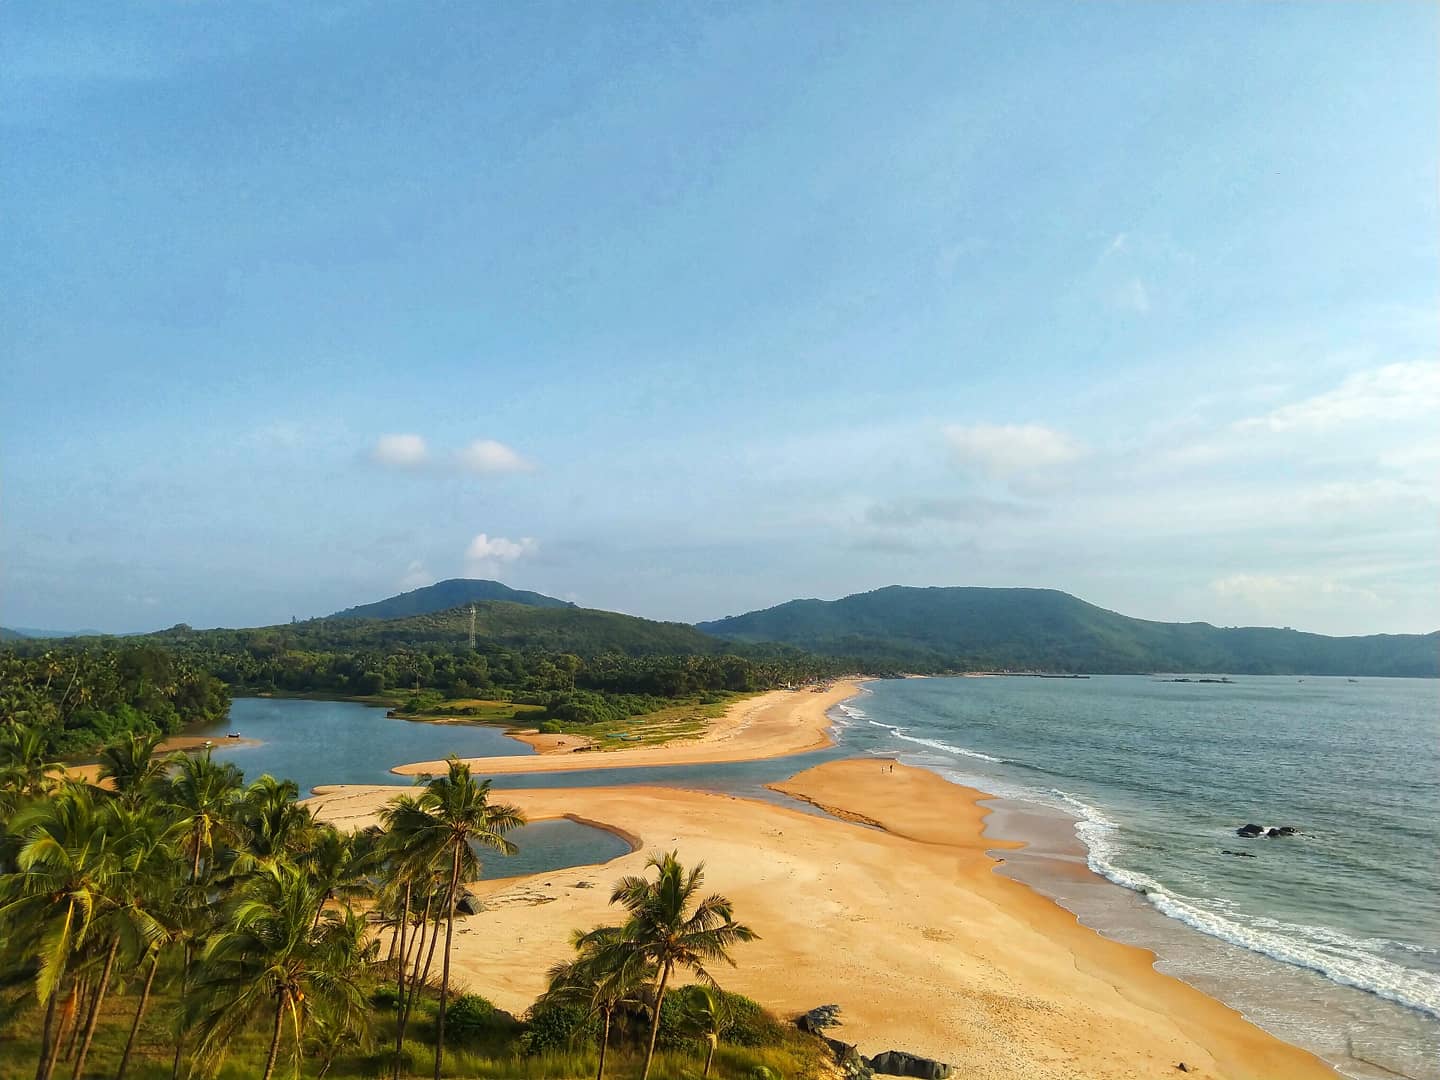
{"points": [[885, 905]]}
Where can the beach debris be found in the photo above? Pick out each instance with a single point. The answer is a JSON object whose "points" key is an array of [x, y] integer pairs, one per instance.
{"points": [[1238, 854], [584, 885], [1184, 1068]]}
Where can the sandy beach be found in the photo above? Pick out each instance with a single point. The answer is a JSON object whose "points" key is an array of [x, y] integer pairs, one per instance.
{"points": [[894, 914], [769, 725]]}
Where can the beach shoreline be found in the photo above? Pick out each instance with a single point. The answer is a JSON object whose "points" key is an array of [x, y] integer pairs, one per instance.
{"points": [[894, 913], [777, 723]]}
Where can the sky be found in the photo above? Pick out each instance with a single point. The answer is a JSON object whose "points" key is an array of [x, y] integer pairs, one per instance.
{"points": [[685, 310]]}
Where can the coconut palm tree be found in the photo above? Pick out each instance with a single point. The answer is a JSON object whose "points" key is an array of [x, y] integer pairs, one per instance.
{"points": [[276, 825], [670, 927], [605, 977], [140, 844], [202, 796], [271, 958], [706, 1008], [133, 766], [452, 815], [25, 765], [66, 865]]}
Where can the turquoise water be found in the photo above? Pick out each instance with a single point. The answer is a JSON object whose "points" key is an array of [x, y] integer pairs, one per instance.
{"points": [[1159, 774]]}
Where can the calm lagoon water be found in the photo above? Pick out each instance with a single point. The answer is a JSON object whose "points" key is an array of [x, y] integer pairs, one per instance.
{"points": [[342, 742]]}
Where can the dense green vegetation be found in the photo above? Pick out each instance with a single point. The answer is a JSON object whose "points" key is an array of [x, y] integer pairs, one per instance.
{"points": [[76, 699], [444, 595], [179, 923], [577, 666], [1041, 629]]}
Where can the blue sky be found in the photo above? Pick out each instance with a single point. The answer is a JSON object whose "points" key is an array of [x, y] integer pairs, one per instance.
{"points": [[685, 310]]}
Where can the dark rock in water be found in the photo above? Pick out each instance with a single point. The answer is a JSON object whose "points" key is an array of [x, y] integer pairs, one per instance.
{"points": [[1250, 830], [1283, 830], [1239, 854], [899, 1063], [467, 903]]}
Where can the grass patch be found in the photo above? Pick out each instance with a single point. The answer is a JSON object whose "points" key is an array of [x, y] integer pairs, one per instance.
{"points": [[686, 720]]}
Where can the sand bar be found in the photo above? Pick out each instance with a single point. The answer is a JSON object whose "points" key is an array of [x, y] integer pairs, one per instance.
{"points": [[905, 926], [773, 724]]}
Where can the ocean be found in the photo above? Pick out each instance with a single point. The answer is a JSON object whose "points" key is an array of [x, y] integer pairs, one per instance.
{"points": [[1330, 938]]}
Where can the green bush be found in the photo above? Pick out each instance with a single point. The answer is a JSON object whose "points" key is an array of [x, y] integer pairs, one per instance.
{"points": [[557, 1027], [471, 1014], [551, 727], [748, 1024]]}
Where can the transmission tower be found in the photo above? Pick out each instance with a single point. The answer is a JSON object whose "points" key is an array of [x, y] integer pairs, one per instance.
{"points": [[472, 627]]}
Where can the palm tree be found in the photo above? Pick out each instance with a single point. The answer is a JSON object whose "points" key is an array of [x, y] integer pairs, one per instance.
{"points": [[202, 796], [203, 793], [143, 857], [665, 932], [452, 813], [275, 823], [604, 978], [65, 866], [272, 958], [133, 766], [25, 763], [706, 1008]]}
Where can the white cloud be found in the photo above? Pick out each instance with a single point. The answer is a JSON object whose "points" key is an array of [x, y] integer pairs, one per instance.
{"points": [[488, 456], [416, 576], [1394, 392], [400, 451], [486, 554], [1011, 448]]}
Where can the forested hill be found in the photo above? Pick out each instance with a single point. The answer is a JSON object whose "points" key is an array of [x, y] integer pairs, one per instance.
{"points": [[444, 595], [1042, 629], [567, 629]]}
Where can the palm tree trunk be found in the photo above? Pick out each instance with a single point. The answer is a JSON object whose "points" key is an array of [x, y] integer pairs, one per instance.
{"points": [[604, 1044], [445, 960], [47, 1062], [70, 1018], [275, 1038], [417, 980], [180, 1035], [46, 1035], [95, 1003], [655, 1024], [139, 1015], [400, 984], [709, 1058]]}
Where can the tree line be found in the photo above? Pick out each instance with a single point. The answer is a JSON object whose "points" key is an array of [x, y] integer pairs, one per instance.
{"points": [[173, 902]]}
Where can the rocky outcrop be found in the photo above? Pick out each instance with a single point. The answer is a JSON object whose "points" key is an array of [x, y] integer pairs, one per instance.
{"points": [[1251, 831], [899, 1063]]}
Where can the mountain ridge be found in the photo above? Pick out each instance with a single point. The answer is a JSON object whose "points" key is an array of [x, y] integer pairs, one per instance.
{"points": [[967, 627]]}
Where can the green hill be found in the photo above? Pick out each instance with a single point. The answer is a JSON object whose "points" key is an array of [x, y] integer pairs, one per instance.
{"points": [[1042, 629], [564, 629], [447, 594]]}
